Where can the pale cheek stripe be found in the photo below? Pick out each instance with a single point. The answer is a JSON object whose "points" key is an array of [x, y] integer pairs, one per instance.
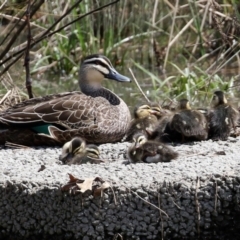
{"points": [[102, 69]]}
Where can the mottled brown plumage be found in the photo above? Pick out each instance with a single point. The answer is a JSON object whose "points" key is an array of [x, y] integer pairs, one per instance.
{"points": [[189, 123], [77, 152], [145, 121], [96, 113], [147, 151], [222, 117]]}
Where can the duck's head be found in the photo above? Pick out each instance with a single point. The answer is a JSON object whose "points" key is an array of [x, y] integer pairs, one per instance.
{"points": [[77, 146], [92, 151], [94, 69], [143, 111], [139, 139], [218, 98], [157, 110], [184, 104], [135, 154]]}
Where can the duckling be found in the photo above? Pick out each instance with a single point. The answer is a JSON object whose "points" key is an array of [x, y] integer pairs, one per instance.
{"points": [[163, 132], [222, 117], [77, 152], [143, 150], [145, 121], [189, 123], [158, 111]]}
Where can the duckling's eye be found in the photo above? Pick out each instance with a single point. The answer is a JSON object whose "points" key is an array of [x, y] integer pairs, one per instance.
{"points": [[97, 62]]}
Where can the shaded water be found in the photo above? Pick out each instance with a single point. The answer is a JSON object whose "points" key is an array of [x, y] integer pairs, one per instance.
{"points": [[49, 83]]}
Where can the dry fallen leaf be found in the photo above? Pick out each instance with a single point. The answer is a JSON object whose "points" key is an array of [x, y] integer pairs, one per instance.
{"points": [[86, 185], [98, 191], [75, 185]]}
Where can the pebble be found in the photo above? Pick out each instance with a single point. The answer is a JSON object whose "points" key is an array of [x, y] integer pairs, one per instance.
{"points": [[31, 202]]}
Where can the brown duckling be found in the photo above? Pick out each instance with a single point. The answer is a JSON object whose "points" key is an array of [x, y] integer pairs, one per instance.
{"points": [[77, 152], [147, 151], [145, 121], [191, 124], [222, 117]]}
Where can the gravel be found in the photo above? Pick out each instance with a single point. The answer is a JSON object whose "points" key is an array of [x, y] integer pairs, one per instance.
{"points": [[199, 194]]}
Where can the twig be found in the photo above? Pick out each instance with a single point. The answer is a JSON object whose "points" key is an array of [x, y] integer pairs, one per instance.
{"points": [[150, 203], [14, 145], [215, 197], [114, 195], [197, 206], [5, 96], [171, 33], [27, 55], [36, 41], [117, 235], [20, 29], [159, 205], [130, 70]]}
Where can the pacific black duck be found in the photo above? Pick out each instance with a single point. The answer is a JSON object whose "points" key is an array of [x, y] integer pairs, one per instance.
{"points": [[96, 114], [191, 124], [147, 151], [145, 121], [222, 117], [77, 152]]}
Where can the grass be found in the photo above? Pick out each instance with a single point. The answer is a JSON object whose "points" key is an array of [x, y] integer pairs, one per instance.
{"points": [[176, 49]]}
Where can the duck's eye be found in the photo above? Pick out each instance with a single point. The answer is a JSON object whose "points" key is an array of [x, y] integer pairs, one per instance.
{"points": [[97, 62]]}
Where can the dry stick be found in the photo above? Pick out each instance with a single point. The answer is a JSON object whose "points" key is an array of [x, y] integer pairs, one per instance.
{"points": [[14, 145], [5, 96], [215, 197], [20, 29], [197, 206], [171, 34], [60, 19], [150, 203], [52, 33], [159, 205], [130, 70], [181, 32], [10, 64], [27, 55], [201, 27]]}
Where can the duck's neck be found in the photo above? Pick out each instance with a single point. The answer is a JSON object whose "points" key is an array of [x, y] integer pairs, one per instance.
{"points": [[101, 92]]}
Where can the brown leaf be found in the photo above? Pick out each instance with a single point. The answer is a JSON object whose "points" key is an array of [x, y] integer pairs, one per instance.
{"points": [[86, 185], [98, 191], [72, 178]]}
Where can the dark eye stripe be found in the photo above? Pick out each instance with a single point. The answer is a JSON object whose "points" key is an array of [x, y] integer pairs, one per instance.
{"points": [[99, 61]]}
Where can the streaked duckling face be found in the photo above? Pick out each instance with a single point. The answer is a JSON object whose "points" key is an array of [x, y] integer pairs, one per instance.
{"points": [[135, 154], [218, 98], [157, 110], [139, 139], [184, 104], [92, 154], [143, 111], [76, 146]]}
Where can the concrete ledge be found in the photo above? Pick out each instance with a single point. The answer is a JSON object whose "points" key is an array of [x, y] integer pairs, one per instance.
{"points": [[198, 195]]}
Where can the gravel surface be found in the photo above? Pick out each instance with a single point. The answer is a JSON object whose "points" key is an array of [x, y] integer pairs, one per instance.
{"points": [[172, 186]]}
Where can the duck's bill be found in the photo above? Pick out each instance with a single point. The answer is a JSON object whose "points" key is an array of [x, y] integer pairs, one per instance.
{"points": [[114, 75], [66, 158]]}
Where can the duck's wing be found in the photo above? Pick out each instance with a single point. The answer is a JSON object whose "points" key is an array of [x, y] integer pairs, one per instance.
{"points": [[190, 123], [68, 111], [158, 152], [221, 120]]}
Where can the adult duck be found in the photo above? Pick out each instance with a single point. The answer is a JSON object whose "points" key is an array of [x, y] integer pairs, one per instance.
{"points": [[96, 114]]}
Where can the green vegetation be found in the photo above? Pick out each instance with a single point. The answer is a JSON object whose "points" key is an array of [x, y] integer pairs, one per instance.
{"points": [[175, 48]]}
